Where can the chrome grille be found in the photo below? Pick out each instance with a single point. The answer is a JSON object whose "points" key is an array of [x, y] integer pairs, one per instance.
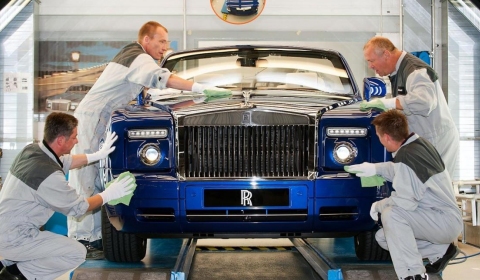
{"points": [[60, 106], [245, 151]]}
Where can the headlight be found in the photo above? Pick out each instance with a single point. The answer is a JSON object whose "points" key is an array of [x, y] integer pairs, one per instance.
{"points": [[344, 152], [150, 154], [147, 133], [346, 131]]}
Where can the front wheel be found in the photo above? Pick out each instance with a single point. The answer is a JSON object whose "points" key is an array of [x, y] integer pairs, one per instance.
{"points": [[367, 248], [119, 246]]}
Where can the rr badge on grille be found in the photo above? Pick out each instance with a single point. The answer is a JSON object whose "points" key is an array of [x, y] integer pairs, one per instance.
{"points": [[247, 118], [246, 198]]}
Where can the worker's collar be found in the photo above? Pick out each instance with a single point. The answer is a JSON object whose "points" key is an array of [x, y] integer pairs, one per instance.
{"points": [[397, 65], [46, 148], [141, 46], [412, 137]]}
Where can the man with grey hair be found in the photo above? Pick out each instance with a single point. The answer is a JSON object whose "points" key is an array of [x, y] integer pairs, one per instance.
{"points": [[416, 91], [36, 187]]}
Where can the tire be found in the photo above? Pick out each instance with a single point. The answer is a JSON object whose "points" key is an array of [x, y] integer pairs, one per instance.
{"points": [[367, 248], [120, 246]]}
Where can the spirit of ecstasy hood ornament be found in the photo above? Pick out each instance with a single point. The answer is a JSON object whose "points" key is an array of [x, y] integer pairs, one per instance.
{"points": [[246, 95]]}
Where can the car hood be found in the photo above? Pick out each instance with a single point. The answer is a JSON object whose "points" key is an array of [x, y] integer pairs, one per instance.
{"points": [[304, 103]]}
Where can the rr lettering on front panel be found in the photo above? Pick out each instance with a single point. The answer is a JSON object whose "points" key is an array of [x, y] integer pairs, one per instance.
{"points": [[246, 198]]}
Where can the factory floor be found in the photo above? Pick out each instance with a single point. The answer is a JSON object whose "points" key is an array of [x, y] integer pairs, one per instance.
{"points": [[469, 269], [162, 255]]}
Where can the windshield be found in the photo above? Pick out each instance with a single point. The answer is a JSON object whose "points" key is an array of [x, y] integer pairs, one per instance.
{"points": [[249, 68]]}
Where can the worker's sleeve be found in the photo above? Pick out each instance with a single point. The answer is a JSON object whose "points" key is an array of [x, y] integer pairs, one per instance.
{"points": [[409, 190], [145, 71], [386, 170], [55, 193], [66, 160], [421, 98]]}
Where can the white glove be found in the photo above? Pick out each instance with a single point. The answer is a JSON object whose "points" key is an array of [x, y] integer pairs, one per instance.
{"points": [[117, 190], [390, 103], [199, 88], [105, 149], [380, 104], [374, 212], [199, 100], [365, 169]]}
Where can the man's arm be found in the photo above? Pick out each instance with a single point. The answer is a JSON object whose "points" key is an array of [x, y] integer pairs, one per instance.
{"points": [[78, 161], [422, 96], [116, 190], [398, 105], [94, 202], [105, 150], [179, 83]]}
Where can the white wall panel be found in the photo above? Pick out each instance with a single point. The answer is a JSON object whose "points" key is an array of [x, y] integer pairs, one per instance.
{"points": [[114, 7], [203, 7]]}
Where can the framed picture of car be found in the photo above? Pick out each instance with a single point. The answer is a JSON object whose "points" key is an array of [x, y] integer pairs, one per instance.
{"points": [[237, 11]]}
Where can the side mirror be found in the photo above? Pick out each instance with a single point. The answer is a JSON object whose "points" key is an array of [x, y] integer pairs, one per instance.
{"points": [[374, 87]]}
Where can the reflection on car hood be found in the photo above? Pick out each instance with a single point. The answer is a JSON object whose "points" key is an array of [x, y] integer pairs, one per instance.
{"points": [[301, 103]]}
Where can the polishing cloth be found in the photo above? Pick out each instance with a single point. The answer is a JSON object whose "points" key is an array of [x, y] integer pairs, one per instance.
{"points": [[217, 93], [125, 199], [371, 181]]}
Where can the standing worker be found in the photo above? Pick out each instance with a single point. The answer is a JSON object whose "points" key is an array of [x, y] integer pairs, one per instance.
{"points": [[132, 69], [34, 189], [421, 218], [417, 91]]}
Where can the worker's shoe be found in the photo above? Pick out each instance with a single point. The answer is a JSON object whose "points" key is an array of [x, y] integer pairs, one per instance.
{"points": [[6, 275], [92, 252], [440, 264], [417, 277], [97, 244]]}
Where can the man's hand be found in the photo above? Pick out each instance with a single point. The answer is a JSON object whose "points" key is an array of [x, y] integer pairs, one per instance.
{"points": [[199, 100], [118, 189], [205, 99], [105, 149], [211, 91], [374, 212], [365, 169], [379, 104]]}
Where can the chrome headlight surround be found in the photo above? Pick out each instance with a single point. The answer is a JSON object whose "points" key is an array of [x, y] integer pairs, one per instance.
{"points": [[347, 131], [158, 133], [344, 152], [150, 154]]}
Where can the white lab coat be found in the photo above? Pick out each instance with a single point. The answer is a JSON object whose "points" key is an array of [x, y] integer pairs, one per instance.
{"points": [[123, 79]]}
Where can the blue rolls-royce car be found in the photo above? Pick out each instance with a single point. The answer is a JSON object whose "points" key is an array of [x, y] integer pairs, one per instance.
{"points": [[266, 161], [242, 7]]}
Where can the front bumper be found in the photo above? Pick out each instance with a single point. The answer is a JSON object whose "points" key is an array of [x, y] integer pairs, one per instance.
{"points": [[328, 206]]}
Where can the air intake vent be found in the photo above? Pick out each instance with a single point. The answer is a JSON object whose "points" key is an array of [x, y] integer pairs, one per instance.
{"points": [[334, 213], [156, 214], [253, 215]]}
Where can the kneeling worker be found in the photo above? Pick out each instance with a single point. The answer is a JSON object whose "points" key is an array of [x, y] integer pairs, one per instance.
{"points": [[34, 188], [421, 218]]}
